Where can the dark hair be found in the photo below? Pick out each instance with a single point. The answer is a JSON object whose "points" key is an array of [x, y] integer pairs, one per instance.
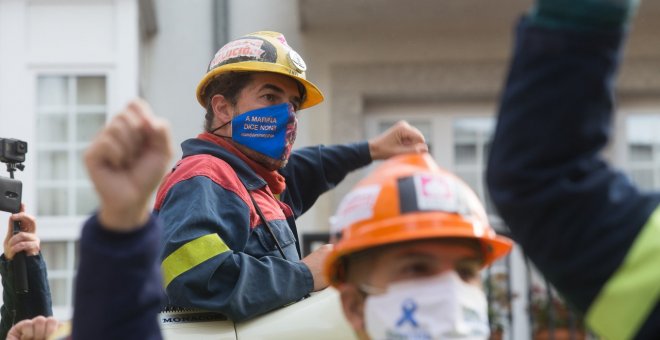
{"points": [[229, 85]]}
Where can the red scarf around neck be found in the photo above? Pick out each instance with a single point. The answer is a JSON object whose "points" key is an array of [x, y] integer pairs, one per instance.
{"points": [[275, 181]]}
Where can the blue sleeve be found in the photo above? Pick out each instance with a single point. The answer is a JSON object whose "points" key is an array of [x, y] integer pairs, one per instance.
{"points": [[118, 287], [574, 215], [17, 307], [312, 171], [236, 274]]}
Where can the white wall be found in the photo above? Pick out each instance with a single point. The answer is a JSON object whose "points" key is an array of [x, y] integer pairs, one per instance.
{"points": [[174, 61], [61, 37]]}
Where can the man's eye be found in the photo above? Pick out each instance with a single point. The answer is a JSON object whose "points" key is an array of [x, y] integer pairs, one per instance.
{"points": [[468, 270], [270, 97], [416, 270]]}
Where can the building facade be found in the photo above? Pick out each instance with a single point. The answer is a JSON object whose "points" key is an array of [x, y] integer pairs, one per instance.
{"points": [[66, 66]]}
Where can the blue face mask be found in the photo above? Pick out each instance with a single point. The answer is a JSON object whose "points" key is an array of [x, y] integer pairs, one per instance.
{"points": [[270, 130]]}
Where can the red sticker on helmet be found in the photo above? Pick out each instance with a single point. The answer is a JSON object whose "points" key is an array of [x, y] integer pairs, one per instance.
{"points": [[247, 49], [435, 193]]}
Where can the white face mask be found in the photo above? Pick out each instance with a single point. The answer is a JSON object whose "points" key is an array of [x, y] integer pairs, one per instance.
{"points": [[439, 307]]}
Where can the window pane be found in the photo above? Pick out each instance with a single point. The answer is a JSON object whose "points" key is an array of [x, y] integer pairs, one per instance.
{"points": [[643, 149], [91, 90], [54, 254], [53, 165], [464, 133], [88, 125], [471, 145], [70, 111], [486, 147], [58, 291], [640, 152], [488, 202], [643, 177], [467, 129], [470, 178], [76, 246], [465, 154], [52, 201], [52, 128], [81, 170], [86, 201], [642, 129], [52, 90]]}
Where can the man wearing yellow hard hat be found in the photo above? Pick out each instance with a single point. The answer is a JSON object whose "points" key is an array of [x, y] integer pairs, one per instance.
{"points": [[230, 204], [412, 241]]}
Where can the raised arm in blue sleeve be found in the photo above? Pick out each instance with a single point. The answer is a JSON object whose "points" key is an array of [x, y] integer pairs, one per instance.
{"points": [[584, 224], [118, 287], [312, 171]]}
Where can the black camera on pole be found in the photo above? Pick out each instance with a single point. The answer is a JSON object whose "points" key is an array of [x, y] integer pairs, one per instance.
{"points": [[12, 152]]}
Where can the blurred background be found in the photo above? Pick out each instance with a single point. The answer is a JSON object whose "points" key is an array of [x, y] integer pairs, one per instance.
{"points": [[67, 66]]}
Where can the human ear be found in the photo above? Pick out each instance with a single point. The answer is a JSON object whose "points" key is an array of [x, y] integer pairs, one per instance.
{"points": [[222, 112], [352, 301]]}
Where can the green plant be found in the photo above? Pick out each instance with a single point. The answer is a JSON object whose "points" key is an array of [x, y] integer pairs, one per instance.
{"points": [[550, 313], [499, 300]]}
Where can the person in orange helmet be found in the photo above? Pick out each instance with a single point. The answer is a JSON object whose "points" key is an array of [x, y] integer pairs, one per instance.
{"points": [[413, 239]]}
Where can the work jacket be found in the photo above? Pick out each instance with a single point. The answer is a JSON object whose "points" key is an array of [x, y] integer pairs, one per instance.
{"points": [[118, 286], [17, 307], [219, 254]]}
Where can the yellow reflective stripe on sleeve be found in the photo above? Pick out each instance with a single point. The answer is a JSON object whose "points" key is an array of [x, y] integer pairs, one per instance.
{"points": [[628, 297], [190, 255]]}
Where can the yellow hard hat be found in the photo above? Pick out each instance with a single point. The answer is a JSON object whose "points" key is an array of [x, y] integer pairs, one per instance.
{"points": [[260, 52], [408, 198]]}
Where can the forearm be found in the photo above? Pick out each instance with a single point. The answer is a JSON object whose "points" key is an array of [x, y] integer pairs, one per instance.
{"points": [[241, 286], [25, 306], [545, 174], [118, 287], [314, 170], [38, 299], [585, 225], [8, 300], [554, 117], [556, 109]]}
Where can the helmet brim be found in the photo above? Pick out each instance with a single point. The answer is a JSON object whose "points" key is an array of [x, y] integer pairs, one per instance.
{"points": [[413, 227]]}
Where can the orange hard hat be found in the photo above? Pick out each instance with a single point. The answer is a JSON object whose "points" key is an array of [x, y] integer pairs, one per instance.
{"points": [[263, 51], [407, 198]]}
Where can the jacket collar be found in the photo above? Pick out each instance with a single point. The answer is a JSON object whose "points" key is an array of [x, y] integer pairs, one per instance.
{"points": [[247, 170]]}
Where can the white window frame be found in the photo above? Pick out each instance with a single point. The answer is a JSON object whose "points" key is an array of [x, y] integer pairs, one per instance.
{"points": [[68, 274], [65, 228], [647, 110], [71, 146]]}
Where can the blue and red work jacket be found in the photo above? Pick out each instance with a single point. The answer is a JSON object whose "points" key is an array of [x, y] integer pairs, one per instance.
{"points": [[218, 253]]}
